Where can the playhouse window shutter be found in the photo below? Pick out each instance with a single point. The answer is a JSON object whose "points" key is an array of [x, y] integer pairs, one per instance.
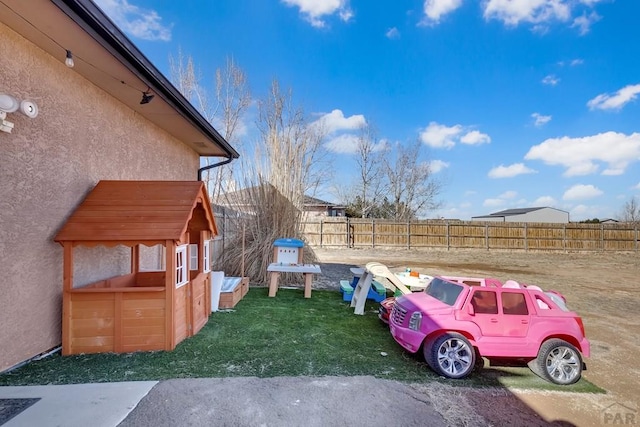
{"points": [[206, 256], [181, 266]]}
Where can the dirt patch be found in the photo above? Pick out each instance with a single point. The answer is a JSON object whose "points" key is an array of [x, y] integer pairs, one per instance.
{"points": [[601, 287]]}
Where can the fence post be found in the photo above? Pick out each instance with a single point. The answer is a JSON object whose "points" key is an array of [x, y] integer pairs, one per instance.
{"points": [[636, 233], [408, 235], [526, 242], [447, 233], [564, 237], [348, 233], [321, 224], [602, 237], [224, 227], [373, 233], [486, 235]]}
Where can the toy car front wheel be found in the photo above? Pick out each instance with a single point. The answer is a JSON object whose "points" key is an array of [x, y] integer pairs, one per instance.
{"points": [[450, 355], [559, 362]]}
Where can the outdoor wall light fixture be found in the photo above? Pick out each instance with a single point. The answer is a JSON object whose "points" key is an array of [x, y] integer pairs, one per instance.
{"points": [[9, 104], [146, 97], [69, 59]]}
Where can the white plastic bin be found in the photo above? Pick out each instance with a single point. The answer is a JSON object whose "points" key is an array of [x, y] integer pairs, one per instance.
{"points": [[217, 279]]}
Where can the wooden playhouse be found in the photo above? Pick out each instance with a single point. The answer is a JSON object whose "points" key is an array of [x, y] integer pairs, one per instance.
{"points": [[141, 310]]}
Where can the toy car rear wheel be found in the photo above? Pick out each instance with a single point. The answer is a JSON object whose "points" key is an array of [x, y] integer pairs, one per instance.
{"points": [[558, 362], [450, 355]]}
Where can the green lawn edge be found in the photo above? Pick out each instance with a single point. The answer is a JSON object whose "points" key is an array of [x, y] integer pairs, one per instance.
{"points": [[270, 337]]}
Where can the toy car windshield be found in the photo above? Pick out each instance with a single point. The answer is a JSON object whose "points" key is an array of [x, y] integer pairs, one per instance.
{"points": [[444, 291]]}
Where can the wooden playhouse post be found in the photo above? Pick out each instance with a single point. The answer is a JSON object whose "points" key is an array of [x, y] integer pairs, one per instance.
{"points": [[135, 258], [67, 285], [170, 285], [204, 236]]}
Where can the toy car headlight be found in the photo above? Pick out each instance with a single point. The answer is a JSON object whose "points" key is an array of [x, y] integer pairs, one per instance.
{"points": [[414, 321]]}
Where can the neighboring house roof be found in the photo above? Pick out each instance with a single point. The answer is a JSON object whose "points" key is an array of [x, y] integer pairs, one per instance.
{"points": [[107, 58], [510, 212], [312, 201], [243, 197], [517, 211], [135, 211]]}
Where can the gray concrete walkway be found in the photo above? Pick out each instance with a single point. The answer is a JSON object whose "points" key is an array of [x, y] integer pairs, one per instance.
{"points": [[244, 401], [77, 405]]}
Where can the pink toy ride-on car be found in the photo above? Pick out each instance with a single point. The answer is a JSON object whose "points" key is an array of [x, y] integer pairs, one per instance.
{"points": [[457, 325]]}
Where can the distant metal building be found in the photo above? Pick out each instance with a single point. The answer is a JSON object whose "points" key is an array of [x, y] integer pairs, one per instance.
{"points": [[527, 215]]}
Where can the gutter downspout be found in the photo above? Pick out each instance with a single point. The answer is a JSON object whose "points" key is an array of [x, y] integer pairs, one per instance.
{"points": [[215, 165]]}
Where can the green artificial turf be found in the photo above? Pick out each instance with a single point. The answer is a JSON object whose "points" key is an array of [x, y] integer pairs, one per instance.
{"points": [[268, 337]]}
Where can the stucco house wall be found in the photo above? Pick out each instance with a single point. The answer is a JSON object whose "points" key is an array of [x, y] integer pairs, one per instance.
{"points": [[47, 166]]}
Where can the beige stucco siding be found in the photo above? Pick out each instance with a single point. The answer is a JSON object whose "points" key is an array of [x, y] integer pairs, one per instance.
{"points": [[47, 166]]}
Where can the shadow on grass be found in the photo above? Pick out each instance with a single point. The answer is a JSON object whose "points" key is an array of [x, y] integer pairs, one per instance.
{"points": [[269, 337]]}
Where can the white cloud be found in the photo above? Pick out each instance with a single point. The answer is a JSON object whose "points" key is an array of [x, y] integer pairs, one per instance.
{"points": [[436, 166], [493, 203], [616, 101], [510, 171], [392, 33], [542, 13], [343, 144], [336, 121], [580, 211], [314, 11], [475, 138], [436, 9], [637, 187], [348, 144], [590, 2], [508, 195], [581, 192], [513, 12], [144, 24], [551, 80], [579, 155], [576, 62], [540, 120], [540, 29], [613, 171], [440, 136], [544, 201], [583, 23]]}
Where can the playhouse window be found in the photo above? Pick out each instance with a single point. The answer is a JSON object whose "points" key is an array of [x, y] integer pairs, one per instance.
{"points": [[181, 266], [193, 256], [206, 256]]}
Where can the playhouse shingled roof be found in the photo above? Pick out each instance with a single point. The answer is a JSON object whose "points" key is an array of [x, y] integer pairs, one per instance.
{"points": [[138, 211]]}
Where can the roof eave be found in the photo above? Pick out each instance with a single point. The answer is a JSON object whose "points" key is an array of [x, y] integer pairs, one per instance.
{"points": [[92, 20]]}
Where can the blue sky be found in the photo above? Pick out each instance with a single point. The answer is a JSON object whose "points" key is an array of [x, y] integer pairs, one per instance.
{"points": [[517, 103]]}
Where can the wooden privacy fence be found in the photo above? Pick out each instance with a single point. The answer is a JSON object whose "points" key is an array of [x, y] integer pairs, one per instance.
{"points": [[368, 233]]}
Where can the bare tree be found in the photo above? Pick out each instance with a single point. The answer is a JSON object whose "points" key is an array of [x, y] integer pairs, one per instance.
{"points": [[291, 148], [285, 166], [182, 72], [232, 99], [363, 196], [631, 211], [412, 189]]}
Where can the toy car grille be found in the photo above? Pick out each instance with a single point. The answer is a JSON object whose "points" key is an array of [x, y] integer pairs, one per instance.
{"points": [[398, 314]]}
